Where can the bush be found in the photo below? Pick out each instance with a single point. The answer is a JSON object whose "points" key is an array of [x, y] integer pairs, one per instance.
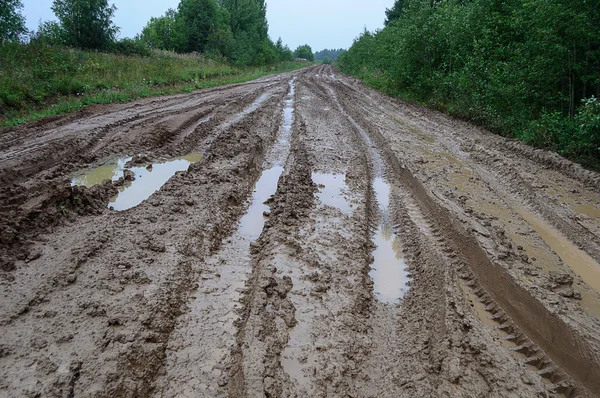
{"points": [[327, 60], [130, 47]]}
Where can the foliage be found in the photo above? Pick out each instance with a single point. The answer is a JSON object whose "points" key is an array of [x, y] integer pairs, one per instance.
{"points": [[283, 51], [236, 29], [86, 24], [524, 68], [327, 60], [304, 52], [392, 14], [130, 47], [163, 32], [332, 54], [12, 22], [40, 79]]}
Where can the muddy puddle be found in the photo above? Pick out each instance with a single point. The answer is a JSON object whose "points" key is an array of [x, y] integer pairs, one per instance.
{"points": [[332, 190], [111, 170], [148, 178], [579, 261], [388, 272], [252, 223]]}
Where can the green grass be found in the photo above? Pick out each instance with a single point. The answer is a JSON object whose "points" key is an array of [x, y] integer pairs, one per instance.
{"points": [[39, 80]]}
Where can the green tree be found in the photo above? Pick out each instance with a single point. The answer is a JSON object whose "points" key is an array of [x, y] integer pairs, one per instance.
{"points": [[391, 14], [304, 52], [283, 51], [327, 60], [248, 23], [86, 24], [12, 22], [198, 21], [164, 32]]}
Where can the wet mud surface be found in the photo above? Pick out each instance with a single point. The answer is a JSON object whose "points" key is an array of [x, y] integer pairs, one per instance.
{"points": [[296, 236]]}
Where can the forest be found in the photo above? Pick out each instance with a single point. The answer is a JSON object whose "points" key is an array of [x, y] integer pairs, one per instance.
{"points": [[327, 56], [528, 69]]}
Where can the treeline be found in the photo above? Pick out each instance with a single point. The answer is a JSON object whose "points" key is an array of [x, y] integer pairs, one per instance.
{"points": [[328, 56], [529, 69], [234, 29]]}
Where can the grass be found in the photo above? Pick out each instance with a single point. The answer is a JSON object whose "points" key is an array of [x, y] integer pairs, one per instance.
{"points": [[39, 80]]}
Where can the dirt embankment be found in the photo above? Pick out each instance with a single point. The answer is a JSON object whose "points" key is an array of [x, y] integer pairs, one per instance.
{"points": [[330, 241]]}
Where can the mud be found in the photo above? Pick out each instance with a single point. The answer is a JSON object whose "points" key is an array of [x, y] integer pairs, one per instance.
{"points": [[324, 240]]}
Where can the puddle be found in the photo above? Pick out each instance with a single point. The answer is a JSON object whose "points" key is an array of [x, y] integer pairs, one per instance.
{"points": [[579, 261], [388, 269], [251, 224], [112, 170], [332, 190], [149, 180], [589, 210]]}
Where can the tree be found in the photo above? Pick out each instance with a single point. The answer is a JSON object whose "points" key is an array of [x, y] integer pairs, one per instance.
{"points": [[391, 14], [248, 22], [283, 51], [164, 32], [327, 60], [86, 24], [12, 22], [304, 52], [199, 20]]}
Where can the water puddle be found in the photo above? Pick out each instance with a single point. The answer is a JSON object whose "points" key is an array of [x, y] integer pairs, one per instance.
{"points": [[589, 210], [111, 170], [148, 179], [579, 261], [252, 223], [388, 269], [332, 190]]}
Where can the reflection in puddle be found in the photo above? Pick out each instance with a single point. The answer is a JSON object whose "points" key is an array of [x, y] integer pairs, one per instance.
{"points": [[332, 190], [579, 261], [147, 179], [389, 269], [251, 224], [112, 170]]}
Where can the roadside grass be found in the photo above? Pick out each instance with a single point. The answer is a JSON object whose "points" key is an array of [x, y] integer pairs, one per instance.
{"points": [[39, 80]]}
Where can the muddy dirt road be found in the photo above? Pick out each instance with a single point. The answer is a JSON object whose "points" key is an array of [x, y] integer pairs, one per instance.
{"points": [[309, 237]]}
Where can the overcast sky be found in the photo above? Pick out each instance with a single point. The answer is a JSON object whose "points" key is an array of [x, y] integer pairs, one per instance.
{"points": [[320, 23]]}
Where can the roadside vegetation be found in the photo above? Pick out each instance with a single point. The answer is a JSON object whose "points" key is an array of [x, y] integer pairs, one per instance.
{"points": [[79, 60], [528, 69]]}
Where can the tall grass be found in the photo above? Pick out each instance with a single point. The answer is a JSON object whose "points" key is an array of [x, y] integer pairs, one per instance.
{"points": [[38, 79]]}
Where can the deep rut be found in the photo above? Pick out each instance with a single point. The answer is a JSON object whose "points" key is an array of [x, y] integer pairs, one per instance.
{"points": [[331, 242]]}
